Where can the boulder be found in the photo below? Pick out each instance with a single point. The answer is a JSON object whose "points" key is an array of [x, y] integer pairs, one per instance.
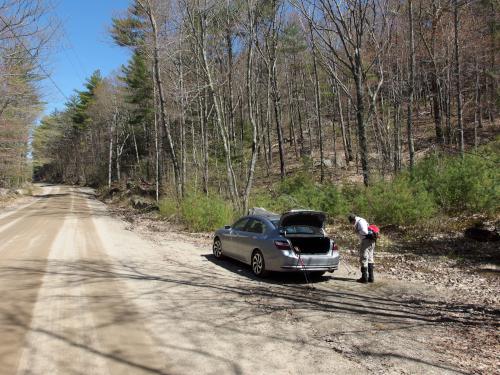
{"points": [[482, 234]]}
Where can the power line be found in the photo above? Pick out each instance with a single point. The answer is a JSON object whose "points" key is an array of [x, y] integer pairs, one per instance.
{"points": [[33, 57], [79, 66], [76, 71]]}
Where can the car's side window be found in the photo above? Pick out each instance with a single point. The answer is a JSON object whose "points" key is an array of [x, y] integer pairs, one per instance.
{"points": [[240, 224], [255, 226]]}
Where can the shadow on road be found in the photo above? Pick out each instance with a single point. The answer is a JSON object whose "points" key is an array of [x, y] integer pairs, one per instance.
{"points": [[196, 295], [243, 269]]}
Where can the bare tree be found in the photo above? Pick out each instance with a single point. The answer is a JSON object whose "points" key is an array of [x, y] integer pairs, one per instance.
{"points": [[348, 29], [150, 8], [256, 137], [198, 17], [269, 54], [456, 27], [411, 85]]}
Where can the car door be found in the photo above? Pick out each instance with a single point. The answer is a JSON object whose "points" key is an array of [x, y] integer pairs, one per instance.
{"points": [[233, 238], [254, 234]]}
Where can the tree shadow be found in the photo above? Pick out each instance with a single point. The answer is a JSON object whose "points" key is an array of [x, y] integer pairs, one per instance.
{"points": [[385, 355], [51, 195], [243, 297], [290, 290], [243, 269]]}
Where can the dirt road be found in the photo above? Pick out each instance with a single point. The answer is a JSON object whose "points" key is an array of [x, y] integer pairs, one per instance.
{"points": [[82, 294]]}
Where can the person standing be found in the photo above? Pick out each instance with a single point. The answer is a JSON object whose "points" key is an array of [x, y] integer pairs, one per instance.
{"points": [[366, 248]]}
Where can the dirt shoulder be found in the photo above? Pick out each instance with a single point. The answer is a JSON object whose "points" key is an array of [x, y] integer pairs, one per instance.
{"points": [[10, 199], [467, 271], [457, 304]]}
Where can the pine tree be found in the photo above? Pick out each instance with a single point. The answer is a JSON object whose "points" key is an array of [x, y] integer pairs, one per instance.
{"points": [[85, 98]]}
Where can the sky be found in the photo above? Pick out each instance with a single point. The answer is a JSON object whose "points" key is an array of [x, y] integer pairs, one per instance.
{"points": [[83, 47]]}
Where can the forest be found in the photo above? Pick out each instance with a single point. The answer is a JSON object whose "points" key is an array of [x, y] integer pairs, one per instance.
{"points": [[381, 106], [25, 32]]}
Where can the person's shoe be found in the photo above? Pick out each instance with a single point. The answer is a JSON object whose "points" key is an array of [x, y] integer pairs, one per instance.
{"points": [[364, 277], [371, 278]]}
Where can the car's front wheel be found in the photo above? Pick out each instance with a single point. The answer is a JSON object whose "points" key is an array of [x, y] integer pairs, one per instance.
{"points": [[258, 264], [217, 248]]}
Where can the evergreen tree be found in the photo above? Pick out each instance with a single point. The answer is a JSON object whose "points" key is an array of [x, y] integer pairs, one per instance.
{"points": [[137, 78], [85, 98]]}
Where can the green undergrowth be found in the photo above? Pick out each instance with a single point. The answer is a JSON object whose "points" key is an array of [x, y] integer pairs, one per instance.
{"points": [[439, 186], [385, 202], [300, 191], [199, 212], [397, 202], [468, 185]]}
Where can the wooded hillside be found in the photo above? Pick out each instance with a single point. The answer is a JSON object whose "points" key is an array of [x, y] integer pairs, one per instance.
{"points": [[220, 93]]}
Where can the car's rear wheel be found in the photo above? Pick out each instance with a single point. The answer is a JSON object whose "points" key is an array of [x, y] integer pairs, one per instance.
{"points": [[258, 264], [217, 248]]}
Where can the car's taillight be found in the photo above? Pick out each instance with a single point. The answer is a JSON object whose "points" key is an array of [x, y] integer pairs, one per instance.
{"points": [[334, 246], [282, 245]]}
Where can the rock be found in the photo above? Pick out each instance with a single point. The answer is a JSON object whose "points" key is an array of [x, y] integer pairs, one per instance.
{"points": [[260, 211], [114, 189], [327, 163], [482, 234], [140, 202]]}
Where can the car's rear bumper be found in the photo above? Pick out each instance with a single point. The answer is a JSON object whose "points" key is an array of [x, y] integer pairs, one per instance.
{"points": [[290, 262], [309, 268]]}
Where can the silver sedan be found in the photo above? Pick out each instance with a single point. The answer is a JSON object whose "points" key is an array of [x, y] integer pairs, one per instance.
{"points": [[294, 241]]}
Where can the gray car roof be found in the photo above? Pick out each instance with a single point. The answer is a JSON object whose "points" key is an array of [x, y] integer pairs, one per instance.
{"points": [[267, 217]]}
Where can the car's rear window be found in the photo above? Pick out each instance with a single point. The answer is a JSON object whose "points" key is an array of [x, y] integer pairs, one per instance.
{"points": [[302, 229]]}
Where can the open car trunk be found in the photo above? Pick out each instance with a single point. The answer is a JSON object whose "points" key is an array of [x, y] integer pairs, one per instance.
{"points": [[307, 218], [304, 229], [310, 245]]}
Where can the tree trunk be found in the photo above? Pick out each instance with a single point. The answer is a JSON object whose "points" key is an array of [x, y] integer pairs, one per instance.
{"points": [[157, 148], [317, 102], [293, 138], [397, 138], [477, 102], [110, 156], [250, 103], [183, 127], [456, 24], [233, 190], [277, 117], [360, 110], [163, 107], [309, 131], [338, 103], [411, 88]]}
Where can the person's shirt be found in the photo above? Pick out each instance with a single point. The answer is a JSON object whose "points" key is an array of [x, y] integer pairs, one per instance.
{"points": [[361, 227]]}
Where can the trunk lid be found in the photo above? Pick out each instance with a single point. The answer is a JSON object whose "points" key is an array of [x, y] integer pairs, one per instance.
{"points": [[308, 218]]}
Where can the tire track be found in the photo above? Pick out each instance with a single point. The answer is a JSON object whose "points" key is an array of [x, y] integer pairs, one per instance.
{"points": [[82, 318], [23, 252]]}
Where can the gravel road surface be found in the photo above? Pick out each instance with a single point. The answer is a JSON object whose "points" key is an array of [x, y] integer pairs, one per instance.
{"points": [[84, 294]]}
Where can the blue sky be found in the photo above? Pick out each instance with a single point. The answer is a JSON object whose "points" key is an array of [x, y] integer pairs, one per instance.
{"points": [[83, 47]]}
